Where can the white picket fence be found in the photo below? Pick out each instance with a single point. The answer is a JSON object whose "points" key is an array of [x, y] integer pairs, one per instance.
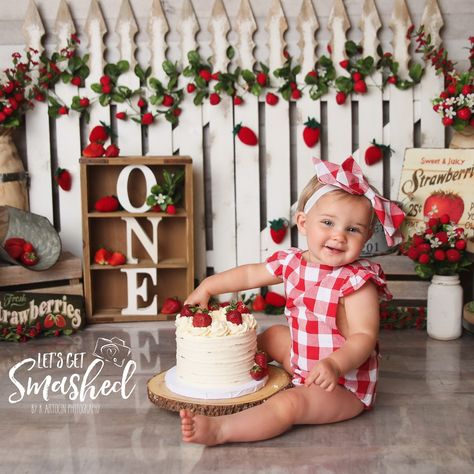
{"points": [[243, 187]]}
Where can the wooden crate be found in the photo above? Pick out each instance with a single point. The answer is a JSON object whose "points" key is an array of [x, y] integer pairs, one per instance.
{"points": [[106, 287], [64, 277]]}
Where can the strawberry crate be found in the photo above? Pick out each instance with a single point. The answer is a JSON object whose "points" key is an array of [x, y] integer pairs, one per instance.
{"points": [[158, 245]]}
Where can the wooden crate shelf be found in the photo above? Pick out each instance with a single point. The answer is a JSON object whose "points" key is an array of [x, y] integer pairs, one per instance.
{"points": [[106, 287]]}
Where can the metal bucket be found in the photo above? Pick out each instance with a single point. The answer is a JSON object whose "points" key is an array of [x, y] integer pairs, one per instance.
{"points": [[377, 244]]}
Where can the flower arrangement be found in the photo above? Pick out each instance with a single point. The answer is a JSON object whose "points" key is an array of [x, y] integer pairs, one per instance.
{"points": [[165, 196], [439, 250], [455, 104]]}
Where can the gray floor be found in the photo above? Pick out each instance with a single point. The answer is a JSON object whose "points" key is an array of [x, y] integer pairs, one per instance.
{"points": [[423, 421]]}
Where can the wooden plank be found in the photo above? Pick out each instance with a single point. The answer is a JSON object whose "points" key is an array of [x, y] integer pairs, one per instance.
{"points": [[75, 289], [38, 148], [395, 264], [408, 290], [247, 172]]}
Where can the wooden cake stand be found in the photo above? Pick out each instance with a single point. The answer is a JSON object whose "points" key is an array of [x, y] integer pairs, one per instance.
{"points": [[159, 394]]}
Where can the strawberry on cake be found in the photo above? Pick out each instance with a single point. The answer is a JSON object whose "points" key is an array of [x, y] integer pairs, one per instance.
{"points": [[216, 353]]}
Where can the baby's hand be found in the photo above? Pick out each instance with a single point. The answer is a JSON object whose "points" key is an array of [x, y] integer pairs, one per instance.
{"points": [[325, 374], [198, 297]]}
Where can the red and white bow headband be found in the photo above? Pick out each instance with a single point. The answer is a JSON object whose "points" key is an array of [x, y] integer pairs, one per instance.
{"points": [[349, 177]]}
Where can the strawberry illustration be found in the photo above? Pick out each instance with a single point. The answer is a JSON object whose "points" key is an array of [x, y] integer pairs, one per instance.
{"points": [[275, 299], [102, 256], [107, 204], [246, 135], [99, 134], [259, 303], [49, 321], [441, 202], [201, 320], [234, 316], [271, 98], [93, 150], [112, 150], [117, 258], [63, 178], [60, 321], [311, 132], [261, 359], [278, 228], [29, 259], [171, 306], [374, 153], [258, 373]]}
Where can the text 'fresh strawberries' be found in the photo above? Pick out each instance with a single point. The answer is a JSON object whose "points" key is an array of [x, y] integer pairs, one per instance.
{"points": [[246, 135]]}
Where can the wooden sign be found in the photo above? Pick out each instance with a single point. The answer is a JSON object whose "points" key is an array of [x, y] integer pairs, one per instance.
{"points": [[436, 182], [158, 246], [26, 315]]}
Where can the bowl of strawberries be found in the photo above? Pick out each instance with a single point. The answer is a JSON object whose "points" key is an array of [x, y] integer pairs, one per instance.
{"points": [[28, 239]]}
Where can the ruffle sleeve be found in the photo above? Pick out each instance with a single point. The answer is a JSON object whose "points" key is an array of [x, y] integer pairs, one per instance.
{"points": [[362, 271], [276, 263]]}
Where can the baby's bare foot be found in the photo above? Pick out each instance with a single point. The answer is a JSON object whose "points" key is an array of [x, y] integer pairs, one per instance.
{"points": [[200, 429]]}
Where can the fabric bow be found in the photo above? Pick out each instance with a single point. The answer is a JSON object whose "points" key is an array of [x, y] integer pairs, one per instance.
{"points": [[348, 176]]}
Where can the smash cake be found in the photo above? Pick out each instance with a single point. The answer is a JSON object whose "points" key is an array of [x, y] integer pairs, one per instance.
{"points": [[216, 353]]}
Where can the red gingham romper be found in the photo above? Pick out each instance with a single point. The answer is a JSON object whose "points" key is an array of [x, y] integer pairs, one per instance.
{"points": [[312, 295]]}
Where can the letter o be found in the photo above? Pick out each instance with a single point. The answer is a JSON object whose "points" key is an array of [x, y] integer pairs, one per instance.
{"points": [[122, 185]]}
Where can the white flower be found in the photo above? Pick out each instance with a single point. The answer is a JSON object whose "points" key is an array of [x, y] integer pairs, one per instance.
{"points": [[470, 101], [160, 199], [451, 100], [449, 112], [435, 243]]}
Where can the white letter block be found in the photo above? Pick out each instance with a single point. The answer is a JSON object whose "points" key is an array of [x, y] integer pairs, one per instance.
{"points": [[122, 185], [151, 245], [134, 291]]}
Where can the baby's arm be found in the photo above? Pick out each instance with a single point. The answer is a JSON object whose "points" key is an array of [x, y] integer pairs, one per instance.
{"points": [[236, 279], [362, 312]]}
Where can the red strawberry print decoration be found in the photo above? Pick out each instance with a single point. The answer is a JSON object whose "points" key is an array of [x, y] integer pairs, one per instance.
{"points": [[258, 373], [278, 229], [441, 202], [171, 306], [246, 135], [63, 178], [201, 320], [311, 132], [375, 152], [107, 204]]}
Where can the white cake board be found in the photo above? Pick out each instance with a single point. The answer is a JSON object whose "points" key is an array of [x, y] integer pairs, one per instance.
{"points": [[177, 386]]}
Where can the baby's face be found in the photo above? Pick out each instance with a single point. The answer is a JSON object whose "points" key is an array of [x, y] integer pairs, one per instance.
{"points": [[336, 228]]}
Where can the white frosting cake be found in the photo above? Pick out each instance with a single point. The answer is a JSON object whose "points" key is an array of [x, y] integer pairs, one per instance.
{"points": [[217, 356]]}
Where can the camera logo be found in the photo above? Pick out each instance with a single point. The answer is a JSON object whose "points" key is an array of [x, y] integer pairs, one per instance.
{"points": [[112, 350]]}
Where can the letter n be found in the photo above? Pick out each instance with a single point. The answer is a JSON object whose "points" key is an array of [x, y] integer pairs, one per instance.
{"points": [[150, 244]]}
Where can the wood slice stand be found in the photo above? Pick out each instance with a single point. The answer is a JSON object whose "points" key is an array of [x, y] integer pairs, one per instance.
{"points": [[159, 394]]}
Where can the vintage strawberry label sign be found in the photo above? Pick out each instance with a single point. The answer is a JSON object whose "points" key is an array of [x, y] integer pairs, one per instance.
{"points": [[436, 182], [27, 315]]}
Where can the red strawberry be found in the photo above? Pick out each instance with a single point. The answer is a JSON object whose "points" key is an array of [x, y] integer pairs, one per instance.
{"points": [[271, 98], [177, 112], [117, 258], [147, 118], [29, 259], [107, 204], [28, 247], [238, 100], [171, 306], [344, 63], [356, 76], [246, 135], [201, 320], [278, 228], [63, 178], [76, 81], [392, 79], [360, 86], [141, 102], [259, 303], [262, 79], [296, 94], [15, 241], [464, 113], [275, 299], [453, 255], [105, 80], [63, 110], [93, 150], [188, 310], [257, 373], [102, 256], [84, 102], [205, 74], [99, 134], [311, 132], [373, 154], [106, 89], [311, 76], [14, 250], [112, 150], [441, 202], [190, 88], [341, 97], [242, 308], [234, 316], [168, 101], [215, 76], [121, 115], [261, 359], [171, 209], [447, 121], [214, 98]]}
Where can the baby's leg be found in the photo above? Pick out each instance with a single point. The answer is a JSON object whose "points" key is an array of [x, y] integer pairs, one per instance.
{"points": [[276, 342], [299, 405]]}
